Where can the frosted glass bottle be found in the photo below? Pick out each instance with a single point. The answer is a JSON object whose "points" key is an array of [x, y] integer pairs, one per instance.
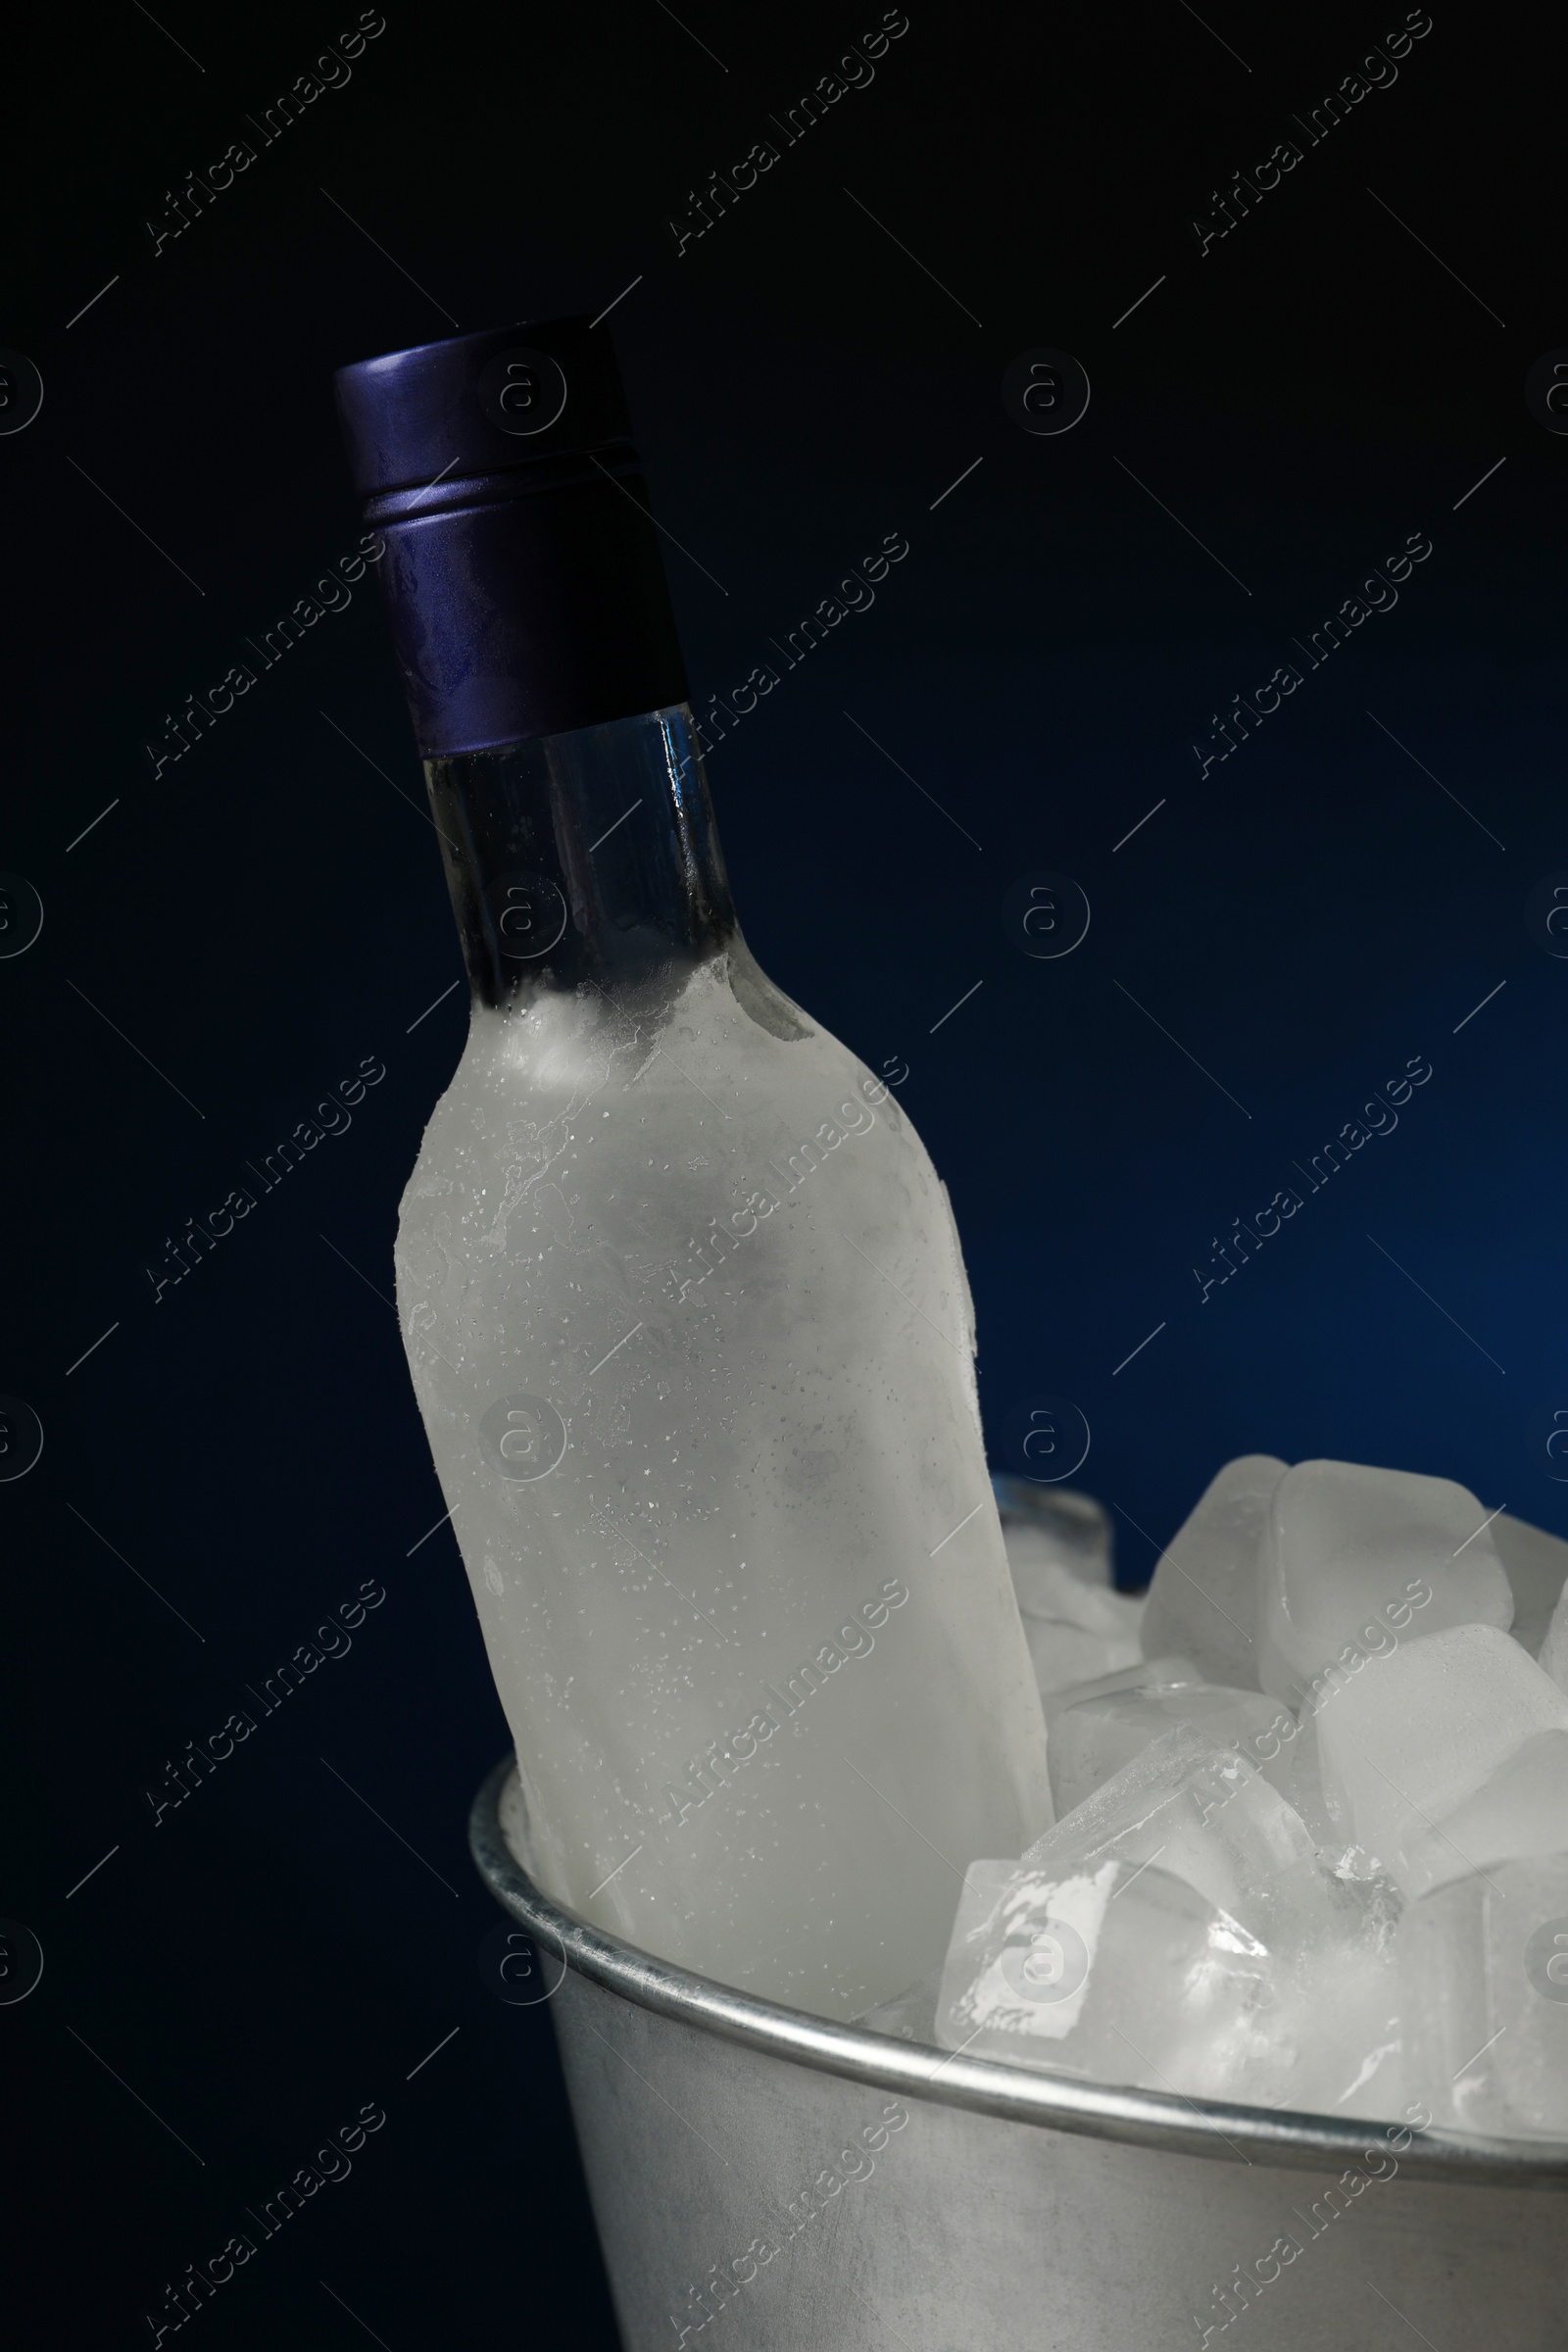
{"points": [[693, 1343]]}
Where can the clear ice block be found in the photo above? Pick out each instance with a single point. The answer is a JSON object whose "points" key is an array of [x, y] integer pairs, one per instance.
{"points": [[1176, 1930], [1096, 1727], [1109, 1972], [1355, 1556], [1298, 1776], [1205, 1814], [1202, 1603], [1484, 1981], [1337, 2025], [1404, 1739]]}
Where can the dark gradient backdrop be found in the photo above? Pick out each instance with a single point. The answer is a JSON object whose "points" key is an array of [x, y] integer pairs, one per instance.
{"points": [[224, 942]]}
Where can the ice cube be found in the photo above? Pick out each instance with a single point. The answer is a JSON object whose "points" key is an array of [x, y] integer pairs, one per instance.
{"points": [[1536, 1565], [1484, 1981], [1077, 1625], [1517, 1815], [1146, 1674], [1404, 1739], [1205, 1814], [1063, 1654], [1202, 1603], [1554, 1646], [1354, 1557], [1174, 1931], [1327, 2037], [1095, 1728], [1338, 2025], [1111, 1972], [1298, 1776]]}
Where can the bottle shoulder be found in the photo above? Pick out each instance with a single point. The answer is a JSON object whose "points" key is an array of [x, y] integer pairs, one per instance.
{"points": [[661, 1115], [726, 1038]]}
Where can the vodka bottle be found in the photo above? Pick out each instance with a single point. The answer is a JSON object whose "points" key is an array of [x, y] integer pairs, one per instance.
{"points": [[680, 1290]]}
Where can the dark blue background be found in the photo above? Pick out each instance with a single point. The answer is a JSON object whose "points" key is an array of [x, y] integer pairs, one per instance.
{"points": [[1304, 396]]}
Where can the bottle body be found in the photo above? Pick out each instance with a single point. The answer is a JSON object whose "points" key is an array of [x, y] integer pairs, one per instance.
{"points": [[690, 1332]]}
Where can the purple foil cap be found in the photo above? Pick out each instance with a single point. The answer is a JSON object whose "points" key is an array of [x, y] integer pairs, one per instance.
{"points": [[521, 576]]}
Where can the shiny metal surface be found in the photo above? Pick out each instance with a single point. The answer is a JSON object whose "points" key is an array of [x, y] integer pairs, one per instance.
{"points": [[750, 2172]]}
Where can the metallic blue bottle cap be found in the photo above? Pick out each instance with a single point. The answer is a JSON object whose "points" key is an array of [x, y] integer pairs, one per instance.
{"points": [[523, 577]]}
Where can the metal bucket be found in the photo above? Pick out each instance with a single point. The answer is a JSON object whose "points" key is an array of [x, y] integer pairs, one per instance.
{"points": [[792, 2183]]}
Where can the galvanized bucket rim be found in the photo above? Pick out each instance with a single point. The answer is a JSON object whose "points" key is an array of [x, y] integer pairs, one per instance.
{"points": [[1157, 2120]]}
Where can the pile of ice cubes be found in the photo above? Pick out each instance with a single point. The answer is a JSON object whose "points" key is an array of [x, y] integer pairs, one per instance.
{"points": [[1311, 1845]]}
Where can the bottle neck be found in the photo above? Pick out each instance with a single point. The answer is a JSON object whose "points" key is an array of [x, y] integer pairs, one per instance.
{"points": [[583, 856]]}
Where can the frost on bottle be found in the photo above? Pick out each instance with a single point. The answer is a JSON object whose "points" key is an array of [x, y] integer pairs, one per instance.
{"points": [[680, 1290]]}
